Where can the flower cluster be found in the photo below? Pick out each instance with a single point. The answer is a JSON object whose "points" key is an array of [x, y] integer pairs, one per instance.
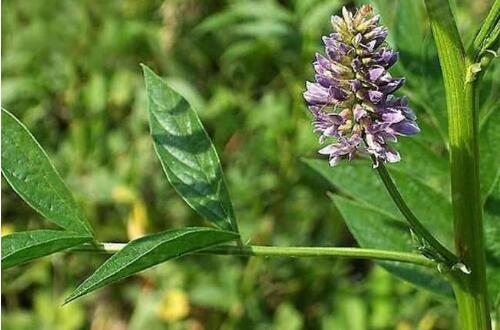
{"points": [[352, 98]]}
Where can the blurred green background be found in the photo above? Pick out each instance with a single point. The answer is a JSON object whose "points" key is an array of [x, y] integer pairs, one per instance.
{"points": [[71, 73]]}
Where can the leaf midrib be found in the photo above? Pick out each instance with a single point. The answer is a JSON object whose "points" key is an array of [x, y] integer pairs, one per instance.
{"points": [[227, 214], [130, 262], [45, 242]]}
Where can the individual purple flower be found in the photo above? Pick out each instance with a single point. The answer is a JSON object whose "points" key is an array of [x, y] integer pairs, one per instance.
{"points": [[352, 101]]}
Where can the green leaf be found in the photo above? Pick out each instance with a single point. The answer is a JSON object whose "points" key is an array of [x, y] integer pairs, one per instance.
{"points": [[429, 86], [492, 242], [262, 29], [20, 247], [419, 161], [408, 33], [489, 141], [418, 62], [490, 193], [151, 250], [488, 91], [360, 181], [375, 221], [243, 12], [186, 153], [29, 171], [317, 15], [375, 229], [492, 215]]}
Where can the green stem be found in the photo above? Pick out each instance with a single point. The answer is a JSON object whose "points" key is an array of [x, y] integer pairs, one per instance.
{"points": [[282, 251], [471, 292], [414, 223], [470, 289]]}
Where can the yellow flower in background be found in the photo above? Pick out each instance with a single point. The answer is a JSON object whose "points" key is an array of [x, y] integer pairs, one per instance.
{"points": [[174, 305], [123, 194], [404, 325], [137, 220], [428, 322], [7, 229]]}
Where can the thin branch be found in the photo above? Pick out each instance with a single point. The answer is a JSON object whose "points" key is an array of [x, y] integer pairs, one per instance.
{"points": [[419, 229], [279, 251]]}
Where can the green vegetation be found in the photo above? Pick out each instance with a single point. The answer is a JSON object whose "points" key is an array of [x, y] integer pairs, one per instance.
{"points": [[71, 74]]}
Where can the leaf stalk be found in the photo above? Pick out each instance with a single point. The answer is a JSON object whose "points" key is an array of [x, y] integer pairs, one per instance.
{"points": [[282, 251], [446, 256]]}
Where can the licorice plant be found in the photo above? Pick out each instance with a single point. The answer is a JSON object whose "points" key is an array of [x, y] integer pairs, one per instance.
{"points": [[358, 113]]}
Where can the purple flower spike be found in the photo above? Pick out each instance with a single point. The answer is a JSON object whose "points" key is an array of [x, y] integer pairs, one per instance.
{"points": [[352, 101]]}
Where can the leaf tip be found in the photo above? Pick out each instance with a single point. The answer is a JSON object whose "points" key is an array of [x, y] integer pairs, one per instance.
{"points": [[146, 69], [67, 300], [73, 296]]}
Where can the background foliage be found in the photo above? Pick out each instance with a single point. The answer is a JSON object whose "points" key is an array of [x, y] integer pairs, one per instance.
{"points": [[71, 74]]}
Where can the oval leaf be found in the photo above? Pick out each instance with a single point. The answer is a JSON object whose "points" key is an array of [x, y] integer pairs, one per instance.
{"points": [[374, 229], [375, 221], [29, 171], [151, 250], [18, 248], [361, 182], [186, 153]]}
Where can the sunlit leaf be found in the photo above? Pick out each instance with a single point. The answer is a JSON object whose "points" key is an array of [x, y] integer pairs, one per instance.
{"points": [[186, 153], [151, 250], [31, 174], [20, 247]]}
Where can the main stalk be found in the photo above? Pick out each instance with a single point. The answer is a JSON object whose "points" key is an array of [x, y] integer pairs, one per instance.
{"points": [[470, 289]]}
